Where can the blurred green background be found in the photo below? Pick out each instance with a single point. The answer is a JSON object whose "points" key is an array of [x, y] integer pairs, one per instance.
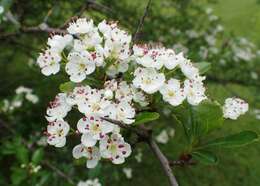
{"points": [[208, 30]]}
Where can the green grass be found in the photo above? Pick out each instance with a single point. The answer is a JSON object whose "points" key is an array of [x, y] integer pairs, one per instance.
{"points": [[241, 17]]}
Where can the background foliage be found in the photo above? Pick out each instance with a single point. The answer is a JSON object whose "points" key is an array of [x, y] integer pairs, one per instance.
{"points": [[167, 22]]}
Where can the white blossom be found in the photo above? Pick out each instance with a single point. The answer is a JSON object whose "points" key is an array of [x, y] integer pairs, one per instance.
{"points": [[81, 26], [115, 148], [94, 182], [162, 137], [57, 132], [234, 107], [49, 62], [172, 92], [93, 129], [148, 79], [80, 65], [58, 108], [92, 154], [128, 172], [194, 91], [58, 43]]}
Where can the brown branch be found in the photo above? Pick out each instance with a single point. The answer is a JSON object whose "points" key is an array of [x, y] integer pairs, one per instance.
{"points": [[141, 22], [146, 136], [164, 162]]}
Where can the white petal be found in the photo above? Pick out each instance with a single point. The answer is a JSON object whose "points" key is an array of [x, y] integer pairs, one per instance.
{"points": [[88, 140]]}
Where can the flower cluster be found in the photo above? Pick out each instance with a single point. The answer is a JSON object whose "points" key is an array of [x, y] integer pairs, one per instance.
{"points": [[234, 107], [22, 93], [94, 182], [128, 78]]}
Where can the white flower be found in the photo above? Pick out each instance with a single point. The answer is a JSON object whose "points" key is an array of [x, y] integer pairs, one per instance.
{"points": [[78, 95], [139, 156], [189, 70], [162, 137], [93, 129], [94, 182], [94, 103], [124, 92], [57, 132], [149, 57], [1, 10], [122, 111], [170, 59], [139, 97], [91, 153], [172, 92], [148, 79], [234, 107], [117, 67], [80, 64], [128, 172], [32, 98], [115, 148], [88, 41], [58, 43], [58, 108], [48, 61], [22, 89], [81, 26], [194, 91]]}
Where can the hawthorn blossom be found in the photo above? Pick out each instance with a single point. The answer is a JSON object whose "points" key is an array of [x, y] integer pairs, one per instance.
{"points": [[81, 26], [58, 109], [124, 92], [128, 172], [148, 79], [162, 137], [122, 111], [172, 92], [93, 129], [78, 95], [234, 107], [94, 103], [115, 148], [92, 154], [139, 97], [89, 41], [189, 70], [58, 43], [94, 182], [194, 91], [57, 132], [80, 65], [49, 62]]}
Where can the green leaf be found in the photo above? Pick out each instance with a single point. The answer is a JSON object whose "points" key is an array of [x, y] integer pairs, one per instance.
{"points": [[67, 87], [37, 156], [18, 175], [95, 172], [22, 154], [206, 117], [145, 117], [205, 157], [235, 140], [203, 67]]}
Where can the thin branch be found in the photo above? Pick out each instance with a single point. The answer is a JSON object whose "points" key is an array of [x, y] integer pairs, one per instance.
{"points": [[141, 22], [146, 136], [164, 162]]}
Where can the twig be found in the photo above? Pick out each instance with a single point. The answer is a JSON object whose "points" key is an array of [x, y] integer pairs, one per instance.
{"points": [[146, 136], [59, 172], [164, 162], [141, 22]]}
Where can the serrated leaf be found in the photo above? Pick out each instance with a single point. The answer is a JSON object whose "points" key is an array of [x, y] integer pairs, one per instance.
{"points": [[67, 87], [203, 67], [205, 157], [235, 140], [37, 156], [145, 117], [206, 117]]}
